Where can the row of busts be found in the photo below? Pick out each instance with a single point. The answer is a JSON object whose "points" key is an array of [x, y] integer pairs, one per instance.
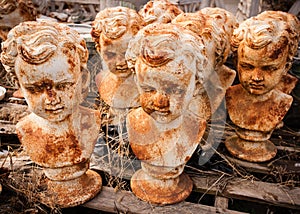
{"points": [[166, 68]]}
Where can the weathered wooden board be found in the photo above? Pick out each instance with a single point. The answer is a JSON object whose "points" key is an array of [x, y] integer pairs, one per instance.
{"points": [[7, 129], [244, 189], [10, 114], [14, 162], [285, 166], [125, 202]]}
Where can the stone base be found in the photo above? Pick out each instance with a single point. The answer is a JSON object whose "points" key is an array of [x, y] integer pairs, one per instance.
{"points": [[73, 192], [161, 192], [253, 151]]}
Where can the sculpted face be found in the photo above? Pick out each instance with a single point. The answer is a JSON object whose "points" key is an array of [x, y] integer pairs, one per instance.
{"points": [[113, 55], [166, 84], [159, 11], [112, 30], [13, 12], [52, 89], [260, 70]]}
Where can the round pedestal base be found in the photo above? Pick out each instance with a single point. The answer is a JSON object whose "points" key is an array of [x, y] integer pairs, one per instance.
{"points": [[162, 192], [253, 151], [73, 192]]}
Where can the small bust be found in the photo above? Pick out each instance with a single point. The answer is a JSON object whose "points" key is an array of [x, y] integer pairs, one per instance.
{"points": [[164, 132], [49, 61], [13, 12], [159, 11], [215, 27], [112, 30], [264, 47]]}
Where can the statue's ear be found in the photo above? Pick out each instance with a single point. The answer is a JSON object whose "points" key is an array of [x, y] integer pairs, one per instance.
{"points": [[85, 76]]}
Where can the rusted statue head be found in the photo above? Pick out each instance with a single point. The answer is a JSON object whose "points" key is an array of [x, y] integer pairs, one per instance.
{"points": [[13, 12], [215, 26], [112, 30], [265, 46], [49, 62], [166, 70], [159, 11]]}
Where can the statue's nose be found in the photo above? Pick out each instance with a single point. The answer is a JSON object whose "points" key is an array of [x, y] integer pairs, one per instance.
{"points": [[161, 100]]}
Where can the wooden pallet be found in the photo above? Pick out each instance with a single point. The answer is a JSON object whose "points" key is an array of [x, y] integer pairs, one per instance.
{"points": [[222, 186]]}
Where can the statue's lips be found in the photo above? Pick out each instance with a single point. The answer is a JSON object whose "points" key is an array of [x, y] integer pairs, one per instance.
{"points": [[123, 70], [55, 110], [257, 86], [162, 113]]}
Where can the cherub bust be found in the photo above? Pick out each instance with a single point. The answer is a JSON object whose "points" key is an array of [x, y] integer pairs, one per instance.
{"points": [[49, 62], [215, 27], [159, 11], [13, 12], [164, 132], [264, 48], [112, 30]]}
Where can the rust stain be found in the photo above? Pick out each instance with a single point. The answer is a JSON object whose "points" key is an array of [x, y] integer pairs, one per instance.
{"points": [[49, 150]]}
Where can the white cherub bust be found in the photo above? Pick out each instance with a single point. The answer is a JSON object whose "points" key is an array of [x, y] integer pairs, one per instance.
{"points": [[170, 64], [49, 62], [112, 30]]}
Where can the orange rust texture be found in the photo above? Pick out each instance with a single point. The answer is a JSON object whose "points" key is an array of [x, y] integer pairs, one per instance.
{"points": [[149, 143], [161, 192], [259, 151], [73, 192], [50, 150], [252, 114]]}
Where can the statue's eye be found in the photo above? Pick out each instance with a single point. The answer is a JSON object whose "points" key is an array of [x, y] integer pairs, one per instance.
{"points": [[147, 89], [269, 68], [246, 66], [63, 86], [34, 89]]}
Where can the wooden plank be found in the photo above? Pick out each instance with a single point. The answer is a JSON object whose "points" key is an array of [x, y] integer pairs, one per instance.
{"points": [[7, 129], [10, 114], [248, 190], [249, 166], [125, 202], [221, 202], [285, 166], [15, 162]]}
